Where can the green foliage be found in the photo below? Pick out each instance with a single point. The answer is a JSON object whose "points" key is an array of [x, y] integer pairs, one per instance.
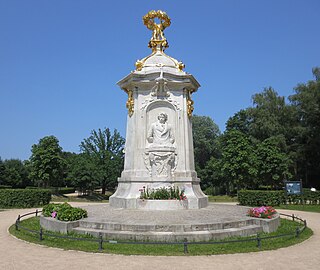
{"points": [[24, 197], [15, 173], [306, 102], [64, 212], [162, 193], [84, 173], [106, 151], [205, 132], [273, 163], [2, 169], [238, 163], [260, 198], [46, 163]]}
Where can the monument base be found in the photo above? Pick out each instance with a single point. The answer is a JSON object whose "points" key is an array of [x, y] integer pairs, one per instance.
{"points": [[128, 193]]}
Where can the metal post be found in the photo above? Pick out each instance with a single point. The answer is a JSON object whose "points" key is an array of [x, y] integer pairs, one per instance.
{"points": [[297, 232], [258, 241], [293, 217], [17, 224], [100, 241], [36, 212], [185, 246], [40, 234], [305, 223]]}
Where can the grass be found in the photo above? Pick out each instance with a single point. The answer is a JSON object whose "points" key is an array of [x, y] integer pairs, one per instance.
{"points": [[164, 250], [307, 207], [222, 198], [95, 197]]}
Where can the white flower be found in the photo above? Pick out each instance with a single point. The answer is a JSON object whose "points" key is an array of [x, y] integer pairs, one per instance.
{"points": [[313, 189]]}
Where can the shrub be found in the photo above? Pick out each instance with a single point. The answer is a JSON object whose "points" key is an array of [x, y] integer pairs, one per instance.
{"points": [[64, 212], [24, 197], [260, 198]]}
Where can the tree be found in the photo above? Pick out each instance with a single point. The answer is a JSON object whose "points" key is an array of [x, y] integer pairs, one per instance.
{"points": [[239, 161], [273, 163], [2, 169], [83, 172], [106, 150], [205, 134], [306, 101], [15, 173], [46, 163]]}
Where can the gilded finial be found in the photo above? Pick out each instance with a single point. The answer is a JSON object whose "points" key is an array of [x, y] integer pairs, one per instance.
{"points": [[158, 40]]}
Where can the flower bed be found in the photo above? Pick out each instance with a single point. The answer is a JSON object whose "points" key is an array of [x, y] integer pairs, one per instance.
{"points": [[64, 212], [262, 212]]}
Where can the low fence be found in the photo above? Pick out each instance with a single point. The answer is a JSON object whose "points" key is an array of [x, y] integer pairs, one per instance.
{"points": [[258, 239]]}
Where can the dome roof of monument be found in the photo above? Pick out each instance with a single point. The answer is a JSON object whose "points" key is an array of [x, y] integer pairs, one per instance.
{"points": [[158, 60]]}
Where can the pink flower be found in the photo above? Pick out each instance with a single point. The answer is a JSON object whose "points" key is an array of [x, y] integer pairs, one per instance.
{"points": [[54, 214]]}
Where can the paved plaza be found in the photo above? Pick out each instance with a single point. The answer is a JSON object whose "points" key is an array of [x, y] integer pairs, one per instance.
{"points": [[17, 254]]}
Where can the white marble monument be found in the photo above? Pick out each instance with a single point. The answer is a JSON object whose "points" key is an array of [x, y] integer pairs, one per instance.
{"points": [[159, 144]]}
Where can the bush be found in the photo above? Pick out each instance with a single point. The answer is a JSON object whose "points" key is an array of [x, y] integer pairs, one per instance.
{"points": [[260, 198], [23, 198], [64, 212]]}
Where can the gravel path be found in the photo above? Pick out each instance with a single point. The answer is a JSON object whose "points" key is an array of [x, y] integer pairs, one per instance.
{"points": [[17, 254]]}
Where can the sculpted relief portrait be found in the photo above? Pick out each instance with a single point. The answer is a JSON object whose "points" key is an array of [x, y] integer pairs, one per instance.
{"points": [[160, 133]]}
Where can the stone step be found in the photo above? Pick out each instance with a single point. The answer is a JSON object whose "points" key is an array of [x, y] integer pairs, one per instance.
{"points": [[114, 226], [158, 236]]}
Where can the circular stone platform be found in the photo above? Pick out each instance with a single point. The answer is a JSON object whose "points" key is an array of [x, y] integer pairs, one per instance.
{"points": [[213, 222]]}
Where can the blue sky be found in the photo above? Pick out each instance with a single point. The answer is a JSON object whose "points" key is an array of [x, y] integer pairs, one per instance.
{"points": [[60, 60]]}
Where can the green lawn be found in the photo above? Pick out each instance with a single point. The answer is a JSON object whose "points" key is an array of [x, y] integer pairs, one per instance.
{"points": [[95, 197], [164, 250], [222, 198], [306, 207]]}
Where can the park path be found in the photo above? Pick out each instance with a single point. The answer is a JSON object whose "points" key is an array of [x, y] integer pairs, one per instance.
{"points": [[16, 254]]}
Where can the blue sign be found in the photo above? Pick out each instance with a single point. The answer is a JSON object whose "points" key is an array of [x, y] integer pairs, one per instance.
{"points": [[293, 187]]}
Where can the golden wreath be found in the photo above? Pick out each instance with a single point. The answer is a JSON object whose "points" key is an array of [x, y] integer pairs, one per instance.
{"points": [[148, 19]]}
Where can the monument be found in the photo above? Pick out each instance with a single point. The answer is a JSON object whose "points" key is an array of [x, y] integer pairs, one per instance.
{"points": [[159, 155], [159, 143]]}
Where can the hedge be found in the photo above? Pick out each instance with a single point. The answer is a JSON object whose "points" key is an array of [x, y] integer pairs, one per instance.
{"points": [[260, 197], [21, 198], [275, 198]]}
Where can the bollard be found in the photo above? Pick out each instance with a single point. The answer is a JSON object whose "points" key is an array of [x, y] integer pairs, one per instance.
{"points": [[40, 234], [17, 223], [292, 217], [100, 241], [305, 223], [185, 246], [36, 212], [258, 241]]}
